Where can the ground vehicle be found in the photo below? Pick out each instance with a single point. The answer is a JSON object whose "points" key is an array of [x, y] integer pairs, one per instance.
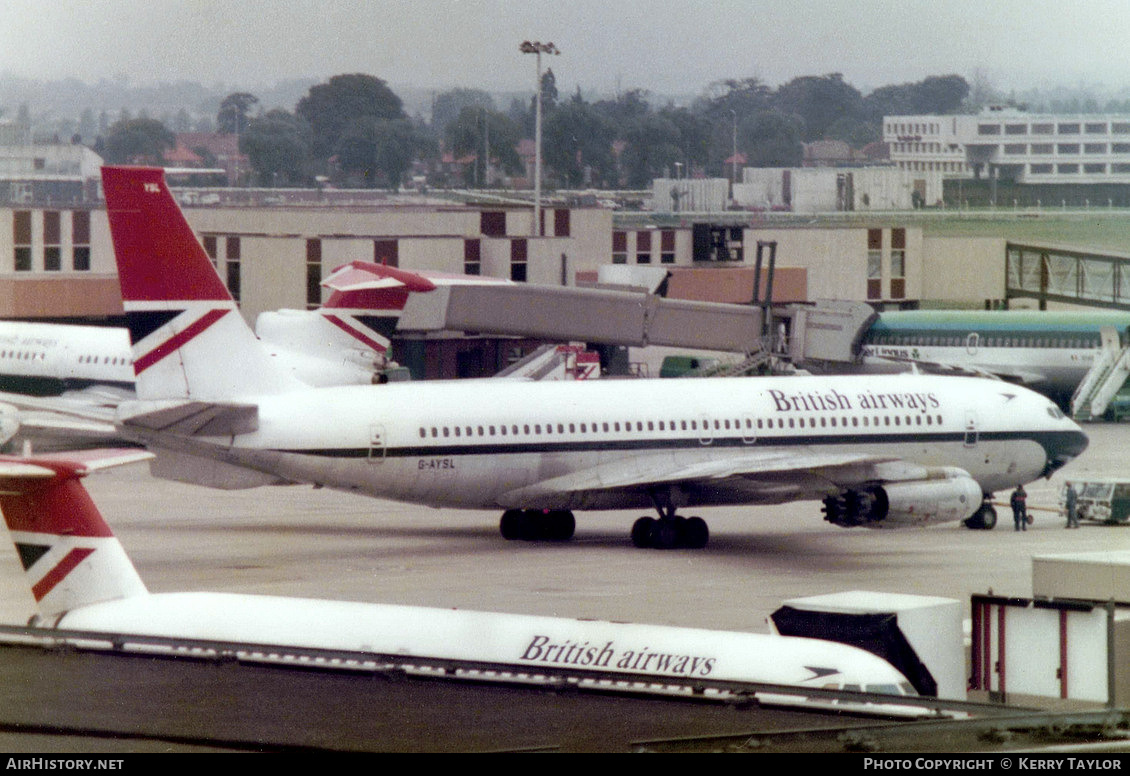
{"points": [[1104, 500]]}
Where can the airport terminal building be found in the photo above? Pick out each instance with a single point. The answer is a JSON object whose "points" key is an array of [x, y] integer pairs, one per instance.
{"points": [[1032, 158], [57, 262]]}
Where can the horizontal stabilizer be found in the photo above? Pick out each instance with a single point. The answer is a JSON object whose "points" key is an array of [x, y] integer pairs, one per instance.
{"points": [[44, 465], [190, 418]]}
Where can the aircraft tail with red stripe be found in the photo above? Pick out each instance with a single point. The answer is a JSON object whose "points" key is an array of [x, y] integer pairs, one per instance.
{"points": [[70, 556], [189, 339]]}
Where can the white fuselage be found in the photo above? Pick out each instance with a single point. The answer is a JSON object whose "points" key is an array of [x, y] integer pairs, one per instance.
{"points": [[525, 641], [471, 444], [48, 359]]}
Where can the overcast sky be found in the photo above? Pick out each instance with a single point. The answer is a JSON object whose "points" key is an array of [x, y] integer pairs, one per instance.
{"points": [[665, 46]]}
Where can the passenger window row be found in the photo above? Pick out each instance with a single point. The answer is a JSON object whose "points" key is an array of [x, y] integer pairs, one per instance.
{"points": [[100, 360], [29, 355], [855, 421], [745, 424], [1077, 342]]}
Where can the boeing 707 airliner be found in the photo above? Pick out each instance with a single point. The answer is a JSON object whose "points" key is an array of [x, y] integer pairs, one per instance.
{"points": [[879, 451]]}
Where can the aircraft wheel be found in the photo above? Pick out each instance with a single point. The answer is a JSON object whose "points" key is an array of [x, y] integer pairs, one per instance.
{"points": [[984, 519], [560, 525], [665, 535], [695, 533], [989, 518], [513, 525], [642, 530]]}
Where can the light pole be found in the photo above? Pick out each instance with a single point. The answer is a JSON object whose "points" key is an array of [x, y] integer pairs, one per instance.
{"points": [[734, 157], [537, 48]]}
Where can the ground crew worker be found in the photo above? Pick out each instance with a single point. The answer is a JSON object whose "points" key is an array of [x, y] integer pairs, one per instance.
{"points": [[1071, 505], [1019, 502]]}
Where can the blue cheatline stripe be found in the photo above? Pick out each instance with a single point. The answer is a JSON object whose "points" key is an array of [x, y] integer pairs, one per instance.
{"points": [[32, 385], [1045, 439]]}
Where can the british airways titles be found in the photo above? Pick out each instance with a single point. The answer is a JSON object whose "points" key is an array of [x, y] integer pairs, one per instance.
{"points": [[833, 401]]}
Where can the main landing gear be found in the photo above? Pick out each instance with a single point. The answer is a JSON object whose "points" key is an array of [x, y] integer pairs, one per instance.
{"points": [[670, 531], [555, 525]]}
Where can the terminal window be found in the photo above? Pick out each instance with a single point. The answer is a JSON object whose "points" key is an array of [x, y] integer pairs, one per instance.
{"points": [[210, 247], [386, 252], [21, 232], [667, 246], [472, 257], [874, 263], [619, 247], [233, 274], [643, 247], [313, 274], [52, 253], [518, 260], [80, 240]]}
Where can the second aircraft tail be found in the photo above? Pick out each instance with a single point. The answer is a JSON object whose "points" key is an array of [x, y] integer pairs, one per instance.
{"points": [[189, 339], [70, 556]]}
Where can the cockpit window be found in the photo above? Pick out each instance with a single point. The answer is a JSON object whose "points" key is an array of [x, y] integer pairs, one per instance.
{"points": [[1055, 412]]}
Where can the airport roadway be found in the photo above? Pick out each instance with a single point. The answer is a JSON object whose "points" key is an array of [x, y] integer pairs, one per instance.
{"points": [[298, 541]]}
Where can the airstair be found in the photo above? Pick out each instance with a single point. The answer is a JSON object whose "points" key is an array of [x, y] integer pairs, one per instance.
{"points": [[1104, 380], [759, 362], [555, 362]]}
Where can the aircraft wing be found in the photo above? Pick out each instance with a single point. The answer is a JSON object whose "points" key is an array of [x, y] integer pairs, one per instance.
{"points": [[82, 405], [775, 476], [68, 422], [942, 367]]}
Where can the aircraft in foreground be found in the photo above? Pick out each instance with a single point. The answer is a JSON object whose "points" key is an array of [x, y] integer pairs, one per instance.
{"points": [[82, 580], [880, 451]]}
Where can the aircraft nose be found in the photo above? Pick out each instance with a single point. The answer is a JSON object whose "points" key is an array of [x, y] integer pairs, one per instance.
{"points": [[1063, 448]]}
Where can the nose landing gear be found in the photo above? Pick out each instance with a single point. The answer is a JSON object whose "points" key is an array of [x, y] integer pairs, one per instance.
{"points": [[984, 519]]}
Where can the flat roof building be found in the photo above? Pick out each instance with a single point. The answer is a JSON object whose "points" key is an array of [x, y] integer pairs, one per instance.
{"points": [[1010, 144]]}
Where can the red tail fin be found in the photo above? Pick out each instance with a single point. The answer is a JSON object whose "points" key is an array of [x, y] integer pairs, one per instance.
{"points": [[189, 340], [153, 241], [70, 556]]}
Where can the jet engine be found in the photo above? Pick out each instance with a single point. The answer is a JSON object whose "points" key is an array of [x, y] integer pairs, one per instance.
{"points": [[949, 496], [316, 351]]}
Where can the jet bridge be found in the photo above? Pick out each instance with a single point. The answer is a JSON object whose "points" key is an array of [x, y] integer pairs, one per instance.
{"points": [[827, 334], [595, 315]]}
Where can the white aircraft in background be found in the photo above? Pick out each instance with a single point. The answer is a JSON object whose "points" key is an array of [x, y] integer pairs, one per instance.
{"points": [[334, 345], [880, 451], [82, 580], [89, 369]]}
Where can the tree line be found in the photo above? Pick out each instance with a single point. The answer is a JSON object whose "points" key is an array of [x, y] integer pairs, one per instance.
{"points": [[353, 130]]}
